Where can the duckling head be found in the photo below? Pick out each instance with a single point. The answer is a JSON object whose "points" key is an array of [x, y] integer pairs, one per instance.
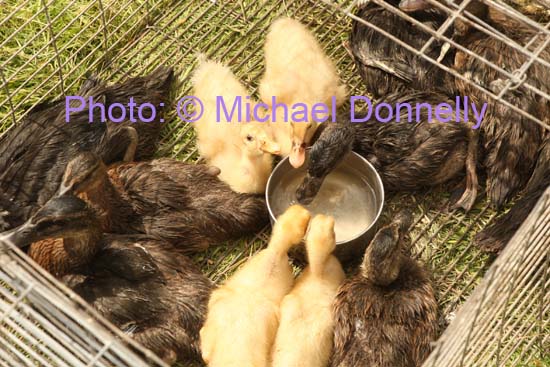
{"points": [[383, 258], [83, 173], [321, 240], [257, 140], [290, 228], [64, 216], [321, 233]]}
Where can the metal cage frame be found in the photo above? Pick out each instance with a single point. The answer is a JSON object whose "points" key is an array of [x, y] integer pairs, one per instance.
{"points": [[119, 38]]}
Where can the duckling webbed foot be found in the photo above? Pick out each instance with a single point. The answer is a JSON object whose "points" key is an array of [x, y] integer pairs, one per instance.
{"points": [[468, 198]]}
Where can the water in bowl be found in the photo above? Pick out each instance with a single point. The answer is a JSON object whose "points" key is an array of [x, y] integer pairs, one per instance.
{"points": [[343, 195]]}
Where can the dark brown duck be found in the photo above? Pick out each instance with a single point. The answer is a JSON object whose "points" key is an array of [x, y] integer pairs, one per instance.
{"points": [[34, 153], [386, 315], [509, 140], [409, 156], [495, 237], [142, 285], [184, 204], [387, 67]]}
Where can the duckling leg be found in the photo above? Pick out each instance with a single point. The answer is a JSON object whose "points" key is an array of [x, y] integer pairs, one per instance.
{"points": [[468, 198], [130, 153]]}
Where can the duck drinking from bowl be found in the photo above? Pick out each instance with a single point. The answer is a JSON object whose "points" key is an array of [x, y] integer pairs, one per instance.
{"points": [[352, 193]]}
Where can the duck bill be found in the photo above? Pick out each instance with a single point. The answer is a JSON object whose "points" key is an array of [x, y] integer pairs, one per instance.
{"points": [[18, 237], [308, 189], [413, 5], [63, 189], [297, 155], [271, 147]]}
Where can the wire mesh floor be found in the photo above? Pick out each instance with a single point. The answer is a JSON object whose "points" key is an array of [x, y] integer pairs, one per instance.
{"points": [[48, 47]]}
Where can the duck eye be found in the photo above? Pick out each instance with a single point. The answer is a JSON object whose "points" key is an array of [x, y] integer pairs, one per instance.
{"points": [[249, 137]]}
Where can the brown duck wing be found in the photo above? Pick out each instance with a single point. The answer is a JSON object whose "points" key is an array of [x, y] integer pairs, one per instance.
{"points": [[149, 189], [126, 257], [350, 334], [153, 88], [510, 140], [387, 67]]}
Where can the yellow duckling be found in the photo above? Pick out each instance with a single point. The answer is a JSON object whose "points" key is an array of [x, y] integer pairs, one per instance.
{"points": [[243, 314], [304, 337]]}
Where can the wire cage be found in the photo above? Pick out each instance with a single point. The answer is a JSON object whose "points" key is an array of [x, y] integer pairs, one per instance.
{"points": [[506, 320], [44, 323], [48, 47]]}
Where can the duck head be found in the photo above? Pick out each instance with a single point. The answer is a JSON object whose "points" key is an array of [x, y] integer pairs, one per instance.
{"points": [[64, 216], [83, 173], [333, 144], [257, 140], [383, 258]]}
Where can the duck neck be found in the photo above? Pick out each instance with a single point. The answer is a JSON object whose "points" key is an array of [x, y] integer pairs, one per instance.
{"points": [[382, 273], [256, 167], [82, 249], [107, 203], [69, 255]]}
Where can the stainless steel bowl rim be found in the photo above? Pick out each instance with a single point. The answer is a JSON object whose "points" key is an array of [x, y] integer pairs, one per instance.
{"points": [[377, 178]]}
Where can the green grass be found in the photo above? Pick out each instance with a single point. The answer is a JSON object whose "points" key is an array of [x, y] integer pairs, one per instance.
{"points": [[133, 38]]}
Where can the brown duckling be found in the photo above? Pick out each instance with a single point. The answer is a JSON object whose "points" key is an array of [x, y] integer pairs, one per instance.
{"points": [[243, 313], [34, 153], [153, 88], [142, 285], [510, 141], [387, 67], [409, 156], [386, 315], [184, 204], [495, 237]]}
